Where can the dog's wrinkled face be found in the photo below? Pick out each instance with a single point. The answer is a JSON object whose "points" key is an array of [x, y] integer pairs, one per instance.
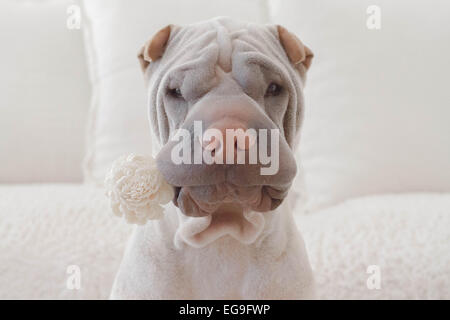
{"points": [[209, 78]]}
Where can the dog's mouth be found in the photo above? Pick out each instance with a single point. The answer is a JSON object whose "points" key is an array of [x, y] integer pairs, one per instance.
{"points": [[223, 209], [198, 201]]}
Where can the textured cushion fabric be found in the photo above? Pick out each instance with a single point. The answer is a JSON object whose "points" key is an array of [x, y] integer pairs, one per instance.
{"points": [[45, 93], [55, 226], [114, 34], [404, 237], [377, 101], [46, 229]]}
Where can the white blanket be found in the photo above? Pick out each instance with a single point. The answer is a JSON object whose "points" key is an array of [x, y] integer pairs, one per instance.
{"points": [[46, 228]]}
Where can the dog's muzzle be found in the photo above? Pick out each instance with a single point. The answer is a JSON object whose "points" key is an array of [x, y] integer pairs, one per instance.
{"points": [[227, 152]]}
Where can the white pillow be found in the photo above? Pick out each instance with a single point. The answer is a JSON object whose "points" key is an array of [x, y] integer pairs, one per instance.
{"points": [[114, 35], [45, 93], [377, 101]]}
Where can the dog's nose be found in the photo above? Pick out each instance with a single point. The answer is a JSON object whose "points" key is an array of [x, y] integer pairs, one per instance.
{"points": [[228, 135]]}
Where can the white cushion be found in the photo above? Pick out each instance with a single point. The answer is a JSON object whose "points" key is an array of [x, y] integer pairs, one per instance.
{"points": [[377, 101], [402, 240], [45, 93], [114, 36]]}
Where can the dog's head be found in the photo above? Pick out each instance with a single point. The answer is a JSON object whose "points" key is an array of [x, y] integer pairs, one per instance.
{"points": [[220, 94]]}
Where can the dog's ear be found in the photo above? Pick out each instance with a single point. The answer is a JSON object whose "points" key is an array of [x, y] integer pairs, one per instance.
{"points": [[154, 48], [296, 51]]}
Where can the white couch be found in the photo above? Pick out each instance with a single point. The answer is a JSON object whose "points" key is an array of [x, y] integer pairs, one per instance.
{"points": [[374, 189]]}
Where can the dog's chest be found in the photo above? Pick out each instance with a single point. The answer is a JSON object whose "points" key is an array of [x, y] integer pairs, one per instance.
{"points": [[219, 270]]}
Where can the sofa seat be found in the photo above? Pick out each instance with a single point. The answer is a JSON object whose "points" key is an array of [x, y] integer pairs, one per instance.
{"points": [[48, 227]]}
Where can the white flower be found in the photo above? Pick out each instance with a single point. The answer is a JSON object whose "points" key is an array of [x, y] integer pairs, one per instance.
{"points": [[137, 189]]}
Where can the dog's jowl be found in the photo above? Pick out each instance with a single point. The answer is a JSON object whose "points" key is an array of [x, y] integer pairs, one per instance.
{"points": [[225, 100]]}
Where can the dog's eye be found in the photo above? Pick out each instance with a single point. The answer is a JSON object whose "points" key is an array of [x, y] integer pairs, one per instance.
{"points": [[175, 92], [273, 89]]}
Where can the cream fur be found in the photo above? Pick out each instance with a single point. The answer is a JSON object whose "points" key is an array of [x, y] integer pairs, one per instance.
{"points": [[155, 266]]}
